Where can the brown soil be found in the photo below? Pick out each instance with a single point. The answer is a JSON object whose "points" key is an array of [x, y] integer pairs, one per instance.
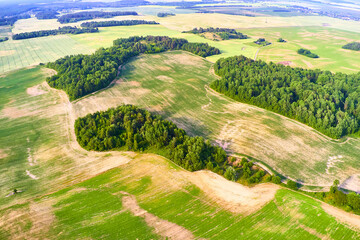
{"points": [[35, 91], [234, 196], [7, 53], [162, 227], [3, 154], [285, 63], [342, 216]]}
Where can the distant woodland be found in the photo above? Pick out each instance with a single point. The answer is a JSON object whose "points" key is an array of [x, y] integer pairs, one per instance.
{"points": [[80, 16], [3, 39], [80, 75], [164, 14], [262, 42], [325, 101], [352, 46], [46, 14], [116, 23], [13, 19], [130, 128], [223, 33], [307, 53], [60, 30]]}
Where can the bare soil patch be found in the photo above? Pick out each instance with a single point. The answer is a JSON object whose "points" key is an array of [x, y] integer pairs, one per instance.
{"points": [[162, 227], [342, 216], [233, 196], [165, 78], [6, 53], [3, 154], [285, 63], [35, 91], [13, 112]]}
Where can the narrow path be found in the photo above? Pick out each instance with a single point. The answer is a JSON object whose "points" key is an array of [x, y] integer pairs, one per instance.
{"points": [[162, 227]]}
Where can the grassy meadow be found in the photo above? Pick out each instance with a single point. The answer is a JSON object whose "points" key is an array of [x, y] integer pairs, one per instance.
{"points": [[38, 150], [324, 41], [22, 53], [166, 201], [167, 83]]}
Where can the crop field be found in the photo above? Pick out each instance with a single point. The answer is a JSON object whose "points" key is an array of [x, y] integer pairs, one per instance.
{"points": [[22, 53], [326, 42], [159, 199], [38, 151], [167, 83], [106, 36]]}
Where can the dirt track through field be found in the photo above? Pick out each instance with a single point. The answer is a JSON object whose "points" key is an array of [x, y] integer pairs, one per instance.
{"points": [[162, 227]]}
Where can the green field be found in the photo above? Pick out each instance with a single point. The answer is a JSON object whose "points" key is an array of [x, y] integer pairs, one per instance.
{"points": [[22, 53], [326, 42], [38, 152], [70, 193], [106, 36], [168, 83], [174, 205]]}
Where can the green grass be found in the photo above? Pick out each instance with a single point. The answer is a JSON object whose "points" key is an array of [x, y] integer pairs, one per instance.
{"points": [[23, 53], [167, 83], [93, 209], [106, 36], [325, 42], [17, 135]]}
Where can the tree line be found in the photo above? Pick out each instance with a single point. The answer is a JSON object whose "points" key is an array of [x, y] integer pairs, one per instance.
{"points": [[80, 75], [352, 46], [307, 53], [80, 16], [128, 127], [3, 39], [262, 42], [336, 197], [47, 14], [116, 23], [165, 14], [11, 20], [224, 33], [325, 101], [60, 30]]}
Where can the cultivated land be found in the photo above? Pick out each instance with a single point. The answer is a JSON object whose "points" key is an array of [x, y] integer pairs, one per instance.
{"points": [[70, 193], [23, 53], [159, 200], [167, 83], [326, 42]]}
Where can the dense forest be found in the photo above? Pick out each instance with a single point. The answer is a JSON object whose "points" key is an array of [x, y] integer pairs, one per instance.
{"points": [[3, 39], [165, 14], [262, 42], [80, 75], [223, 33], [325, 101], [349, 202], [11, 20], [80, 16], [60, 30], [46, 14], [128, 127], [352, 46], [116, 23], [307, 53]]}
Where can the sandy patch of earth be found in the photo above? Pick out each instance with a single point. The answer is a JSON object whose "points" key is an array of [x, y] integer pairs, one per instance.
{"points": [[342, 216], [285, 63], [234, 196], [162, 227], [7, 53], [3, 154], [13, 112], [35, 91]]}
